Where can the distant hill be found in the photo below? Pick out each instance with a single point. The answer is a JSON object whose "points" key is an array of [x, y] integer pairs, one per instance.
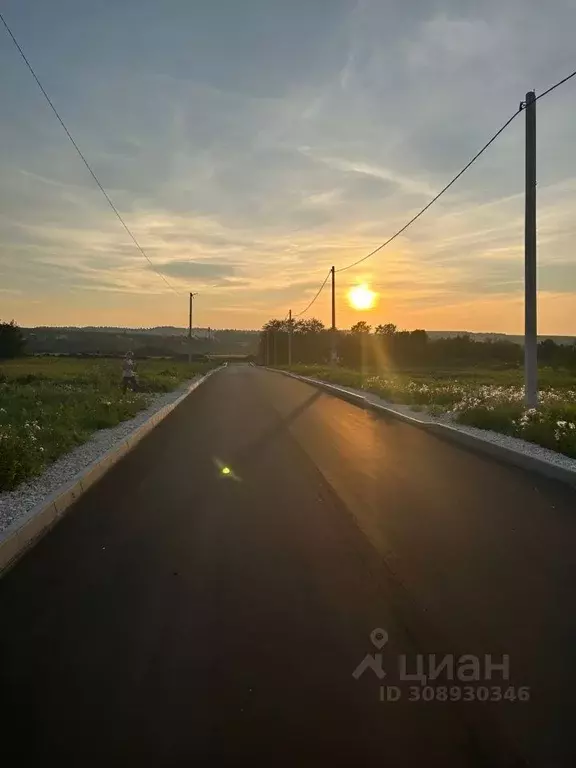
{"points": [[167, 330], [173, 342], [516, 339], [145, 342]]}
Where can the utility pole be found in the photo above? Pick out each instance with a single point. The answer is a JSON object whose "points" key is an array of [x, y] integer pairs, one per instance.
{"points": [[268, 342], [290, 338], [333, 350], [190, 327], [530, 296]]}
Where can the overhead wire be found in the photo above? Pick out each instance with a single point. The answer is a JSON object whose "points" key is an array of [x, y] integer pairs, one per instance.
{"points": [[299, 314], [83, 158], [458, 175], [417, 216], [341, 269], [436, 197], [556, 85]]}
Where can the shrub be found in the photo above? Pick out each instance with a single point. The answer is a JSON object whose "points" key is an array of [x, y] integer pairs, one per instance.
{"points": [[12, 340], [499, 419]]}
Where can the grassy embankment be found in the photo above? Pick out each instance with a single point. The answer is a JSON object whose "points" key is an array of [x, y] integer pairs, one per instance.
{"points": [[50, 405], [489, 399]]}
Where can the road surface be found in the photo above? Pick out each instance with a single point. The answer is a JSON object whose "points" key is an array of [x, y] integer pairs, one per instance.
{"points": [[183, 616]]}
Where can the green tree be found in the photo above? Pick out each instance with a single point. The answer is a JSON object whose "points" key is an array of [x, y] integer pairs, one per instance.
{"points": [[312, 325], [275, 325], [388, 329], [419, 336], [12, 341], [361, 327]]}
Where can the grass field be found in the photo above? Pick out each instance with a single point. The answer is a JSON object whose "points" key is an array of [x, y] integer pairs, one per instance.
{"points": [[489, 399], [50, 405]]}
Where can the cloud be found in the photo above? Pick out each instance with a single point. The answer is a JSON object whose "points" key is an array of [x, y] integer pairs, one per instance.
{"points": [[306, 138], [405, 184], [203, 269]]}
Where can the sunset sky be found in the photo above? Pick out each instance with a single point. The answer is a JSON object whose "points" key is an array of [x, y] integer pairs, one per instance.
{"points": [[252, 144]]}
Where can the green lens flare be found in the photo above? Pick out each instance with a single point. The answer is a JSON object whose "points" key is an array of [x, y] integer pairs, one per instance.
{"points": [[226, 470]]}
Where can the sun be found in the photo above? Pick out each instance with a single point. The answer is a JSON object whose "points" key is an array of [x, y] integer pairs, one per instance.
{"points": [[361, 297]]}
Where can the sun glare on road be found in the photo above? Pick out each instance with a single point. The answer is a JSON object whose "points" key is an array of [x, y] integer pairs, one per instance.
{"points": [[361, 297]]}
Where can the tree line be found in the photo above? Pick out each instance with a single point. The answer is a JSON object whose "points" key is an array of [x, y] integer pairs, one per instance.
{"points": [[360, 347], [365, 347], [16, 341]]}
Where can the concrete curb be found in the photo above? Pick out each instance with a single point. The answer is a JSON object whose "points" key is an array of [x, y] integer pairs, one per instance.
{"points": [[446, 432], [344, 394], [23, 533], [504, 454]]}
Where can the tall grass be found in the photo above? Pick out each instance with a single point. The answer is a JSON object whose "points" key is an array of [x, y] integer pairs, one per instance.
{"points": [[50, 405]]}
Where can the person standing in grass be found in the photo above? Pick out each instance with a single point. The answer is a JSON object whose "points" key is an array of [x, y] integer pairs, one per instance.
{"points": [[129, 373]]}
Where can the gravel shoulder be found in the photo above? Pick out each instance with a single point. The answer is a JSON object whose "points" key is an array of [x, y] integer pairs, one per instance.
{"points": [[15, 504]]}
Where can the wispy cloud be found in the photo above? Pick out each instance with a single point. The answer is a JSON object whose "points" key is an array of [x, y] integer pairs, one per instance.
{"points": [[403, 183], [308, 137]]}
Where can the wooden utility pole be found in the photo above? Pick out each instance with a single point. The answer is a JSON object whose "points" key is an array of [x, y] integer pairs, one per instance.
{"points": [[530, 298], [290, 338], [190, 327], [333, 339]]}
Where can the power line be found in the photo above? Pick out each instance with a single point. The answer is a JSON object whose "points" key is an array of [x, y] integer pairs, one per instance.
{"points": [[434, 199], [315, 297], [417, 216], [560, 82], [77, 148], [442, 191], [447, 187]]}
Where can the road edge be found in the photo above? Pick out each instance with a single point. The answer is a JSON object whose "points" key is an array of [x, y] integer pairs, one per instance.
{"points": [[447, 432], [24, 533]]}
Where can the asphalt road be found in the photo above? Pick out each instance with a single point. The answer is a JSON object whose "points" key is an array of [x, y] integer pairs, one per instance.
{"points": [[181, 616]]}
